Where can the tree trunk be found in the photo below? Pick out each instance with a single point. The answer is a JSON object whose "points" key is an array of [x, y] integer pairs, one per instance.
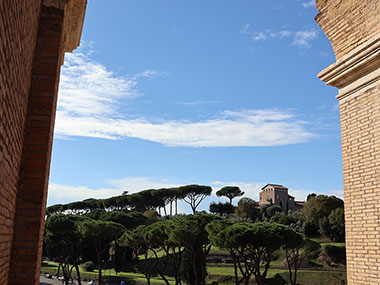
{"points": [[236, 273], [295, 276], [99, 268], [147, 273], [176, 206], [259, 280], [78, 274], [66, 274]]}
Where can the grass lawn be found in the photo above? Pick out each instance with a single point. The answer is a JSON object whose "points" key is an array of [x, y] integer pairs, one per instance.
{"points": [[133, 278], [223, 275]]}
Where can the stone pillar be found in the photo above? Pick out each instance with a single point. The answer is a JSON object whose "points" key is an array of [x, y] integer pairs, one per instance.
{"points": [[59, 29], [353, 27]]}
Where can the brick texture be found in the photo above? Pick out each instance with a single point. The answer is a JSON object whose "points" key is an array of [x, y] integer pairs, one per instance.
{"points": [[348, 23], [18, 32], [352, 27], [35, 163], [360, 124]]}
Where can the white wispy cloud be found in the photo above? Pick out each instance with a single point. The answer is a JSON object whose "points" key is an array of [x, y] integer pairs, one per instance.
{"points": [[88, 88], [244, 128], [281, 34], [301, 194], [151, 73], [278, 6], [90, 97], [61, 194], [259, 36], [302, 39], [197, 103], [245, 29], [136, 184], [308, 4]]}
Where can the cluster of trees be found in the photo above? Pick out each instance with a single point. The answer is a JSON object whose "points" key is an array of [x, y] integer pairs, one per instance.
{"points": [[186, 242], [120, 227], [324, 215], [74, 239], [321, 215], [151, 199]]}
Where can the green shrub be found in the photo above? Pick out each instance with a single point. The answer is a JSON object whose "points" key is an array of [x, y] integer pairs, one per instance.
{"points": [[337, 254], [89, 266]]}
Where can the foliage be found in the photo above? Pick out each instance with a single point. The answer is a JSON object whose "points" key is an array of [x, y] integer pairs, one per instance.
{"points": [[284, 219], [249, 245], [297, 248], [268, 211], [336, 254], [151, 216], [54, 209], [320, 206], [337, 225], [230, 192], [100, 234], [309, 196], [190, 232], [62, 241], [246, 208], [325, 214], [222, 208], [194, 195], [129, 220], [89, 266], [309, 229]]}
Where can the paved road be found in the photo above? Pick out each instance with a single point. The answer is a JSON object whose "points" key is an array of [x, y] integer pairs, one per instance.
{"points": [[47, 281]]}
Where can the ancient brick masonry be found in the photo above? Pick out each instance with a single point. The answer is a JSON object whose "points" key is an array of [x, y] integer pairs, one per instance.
{"points": [[38, 136], [34, 34], [353, 28], [348, 23], [18, 32]]}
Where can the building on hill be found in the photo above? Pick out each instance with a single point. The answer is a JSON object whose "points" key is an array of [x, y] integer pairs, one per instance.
{"points": [[274, 194]]}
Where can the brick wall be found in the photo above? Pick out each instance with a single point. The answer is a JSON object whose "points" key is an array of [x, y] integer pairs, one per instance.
{"points": [[353, 27], [360, 124], [35, 163], [348, 23], [18, 31]]}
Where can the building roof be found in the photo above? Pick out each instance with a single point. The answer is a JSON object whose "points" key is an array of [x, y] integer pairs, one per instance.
{"points": [[275, 185]]}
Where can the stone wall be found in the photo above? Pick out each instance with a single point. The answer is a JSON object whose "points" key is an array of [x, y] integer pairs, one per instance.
{"points": [[353, 27], [348, 23], [360, 124], [18, 32]]}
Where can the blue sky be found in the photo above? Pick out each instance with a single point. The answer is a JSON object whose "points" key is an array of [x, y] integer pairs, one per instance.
{"points": [[163, 93]]}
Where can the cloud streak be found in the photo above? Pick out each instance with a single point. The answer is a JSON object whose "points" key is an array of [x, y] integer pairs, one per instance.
{"points": [[301, 39], [90, 97], [308, 4]]}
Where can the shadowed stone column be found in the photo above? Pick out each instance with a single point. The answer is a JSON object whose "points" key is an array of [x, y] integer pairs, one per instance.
{"points": [[353, 27]]}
